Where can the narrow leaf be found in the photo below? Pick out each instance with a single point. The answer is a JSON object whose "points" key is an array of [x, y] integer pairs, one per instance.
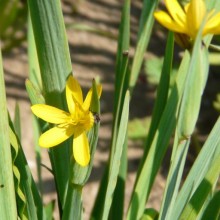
{"points": [[7, 199], [201, 166], [17, 121], [212, 210], [55, 66], [196, 202], [144, 33], [159, 145], [30, 201], [116, 157]]}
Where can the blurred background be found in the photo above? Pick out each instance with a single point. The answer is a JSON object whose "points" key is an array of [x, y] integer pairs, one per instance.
{"points": [[92, 31]]}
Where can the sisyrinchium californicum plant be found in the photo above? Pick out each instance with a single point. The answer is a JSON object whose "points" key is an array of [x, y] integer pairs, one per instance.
{"points": [[67, 124]]}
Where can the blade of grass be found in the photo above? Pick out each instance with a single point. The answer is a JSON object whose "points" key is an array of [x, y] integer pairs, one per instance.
{"points": [[116, 157], [162, 95], [158, 146], [34, 68], [20, 197], [190, 105], [17, 121], [117, 207], [191, 210], [55, 66], [8, 208], [96, 213], [32, 203], [36, 97], [209, 152], [212, 210], [121, 85], [162, 92], [144, 33], [35, 78]]}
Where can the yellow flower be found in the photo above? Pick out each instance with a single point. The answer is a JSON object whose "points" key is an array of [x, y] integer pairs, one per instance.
{"points": [[188, 20], [74, 123]]}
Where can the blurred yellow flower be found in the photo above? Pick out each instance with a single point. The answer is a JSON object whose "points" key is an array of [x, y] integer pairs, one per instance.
{"points": [[74, 123], [188, 20]]}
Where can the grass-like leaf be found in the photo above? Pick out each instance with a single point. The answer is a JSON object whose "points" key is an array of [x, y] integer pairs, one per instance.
{"points": [[159, 144], [8, 208], [121, 85], [196, 77], [17, 121], [144, 34], [29, 202], [116, 157], [212, 211], [55, 66], [193, 207], [201, 166]]}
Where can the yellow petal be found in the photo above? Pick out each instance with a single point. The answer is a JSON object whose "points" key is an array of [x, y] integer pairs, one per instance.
{"points": [[176, 12], [50, 114], [195, 15], [213, 25], [164, 19], [55, 136], [81, 150], [73, 91], [88, 99]]}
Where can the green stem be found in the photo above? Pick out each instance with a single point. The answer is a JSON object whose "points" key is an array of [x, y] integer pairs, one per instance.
{"points": [[73, 204]]}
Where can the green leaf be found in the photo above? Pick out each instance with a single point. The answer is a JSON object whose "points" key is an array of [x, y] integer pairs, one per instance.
{"points": [[203, 164], [8, 208], [52, 48], [121, 85], [116, 157], [191, 210], [196, 77], [19, 192], [162, 92], [29, 202], [34, 94], [34, 68], [195, 83], [34, 89], [150, 214], [152, 162], [55, 67], [73, 207], [49, 210], [144, 33], [163, 114], [17, 121], [212, 210]]}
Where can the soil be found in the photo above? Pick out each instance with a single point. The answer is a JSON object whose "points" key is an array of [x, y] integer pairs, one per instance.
{"points": [[93, 56]]}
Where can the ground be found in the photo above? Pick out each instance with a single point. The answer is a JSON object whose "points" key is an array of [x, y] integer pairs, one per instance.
{"points": [[93, 56]]}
